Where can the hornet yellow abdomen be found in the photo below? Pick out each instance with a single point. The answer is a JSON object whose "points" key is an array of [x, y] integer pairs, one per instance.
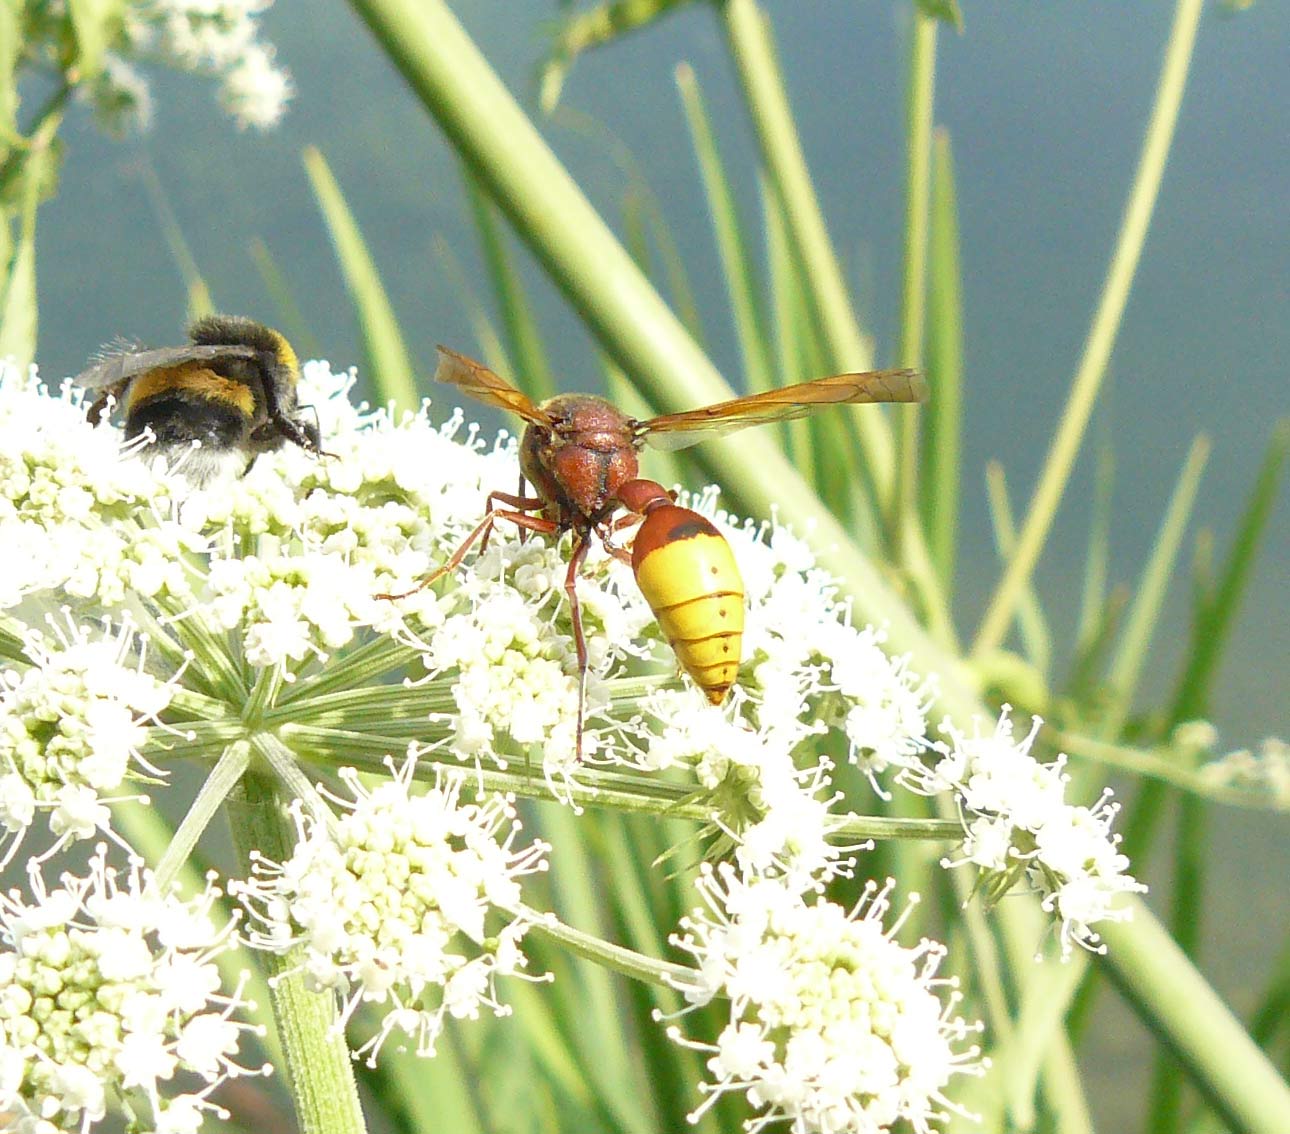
{"points": [[688, 575]]}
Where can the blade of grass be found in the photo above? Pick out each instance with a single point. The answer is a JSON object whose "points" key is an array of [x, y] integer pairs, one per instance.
{"points": [[751, 46], [789, 320], [200, 302], [1144, 612], [646, 228], [943, 423], [919, 101], [1212, 623], [491, 347], [1093, 593], [1102, 333], [390, 365], [733, 246], [523, 339], [1037, 639], [1186, 920], [600, 1038], [289, 317]]}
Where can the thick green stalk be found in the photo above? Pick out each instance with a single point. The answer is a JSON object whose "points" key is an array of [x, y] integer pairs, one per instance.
{"points": [[1155, 975], [459, 88], [1101, 337], [319, 1071]]}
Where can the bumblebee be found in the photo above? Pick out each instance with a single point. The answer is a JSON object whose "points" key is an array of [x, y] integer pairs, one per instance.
{"points": [[212, 406]]}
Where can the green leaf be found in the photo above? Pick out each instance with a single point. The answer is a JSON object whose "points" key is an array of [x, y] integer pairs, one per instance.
{"points": [[95, 23], [590, 28], [10, 43], [947, 11], [390, 364]]}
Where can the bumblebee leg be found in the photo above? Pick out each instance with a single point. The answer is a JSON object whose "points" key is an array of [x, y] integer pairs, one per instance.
{"points": [[289, 427]]}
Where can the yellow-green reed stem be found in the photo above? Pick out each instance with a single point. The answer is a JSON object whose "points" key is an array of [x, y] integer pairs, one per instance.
{"points": [[199, 293], [733, 245], [1101, 337], [1144, 962], [920, 99], [1144, 613], [289, 316], [1036, 638], [825, 288], [759, 74], [390, 364], [318, 1068], [942, 427], [174, 853], [523, 337]]}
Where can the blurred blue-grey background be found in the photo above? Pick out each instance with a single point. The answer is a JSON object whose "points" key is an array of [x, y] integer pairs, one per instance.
{"points": [[1045, 105]]}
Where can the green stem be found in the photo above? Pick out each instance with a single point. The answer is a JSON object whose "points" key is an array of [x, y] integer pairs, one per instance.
{"points": [[319, 1071], [913, 318], [214, 791], [631, 964], [1155, 975], [1101, 337]]}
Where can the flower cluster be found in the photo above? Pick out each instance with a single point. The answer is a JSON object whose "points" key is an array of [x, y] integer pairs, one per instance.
{"points": [[216, 38], [265, 601], [410, 900], [833, 1025], [72, 727], [108, 988], [1265, 773], [1017, 822]]}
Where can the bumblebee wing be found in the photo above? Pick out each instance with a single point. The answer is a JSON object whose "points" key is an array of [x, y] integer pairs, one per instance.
{"points": [[118, 367], [475, 379], [678, 430]]}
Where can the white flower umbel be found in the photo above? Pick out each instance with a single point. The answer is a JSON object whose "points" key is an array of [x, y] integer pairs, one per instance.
{"points": [[72, 729], [404, 903], [833, 1027], [109, 994], [775, 814], [1017, 822], [1265, 773], [217, 38]]}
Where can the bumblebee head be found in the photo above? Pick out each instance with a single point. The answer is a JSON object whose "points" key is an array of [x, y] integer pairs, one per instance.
{"points": [[229, 330]]}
